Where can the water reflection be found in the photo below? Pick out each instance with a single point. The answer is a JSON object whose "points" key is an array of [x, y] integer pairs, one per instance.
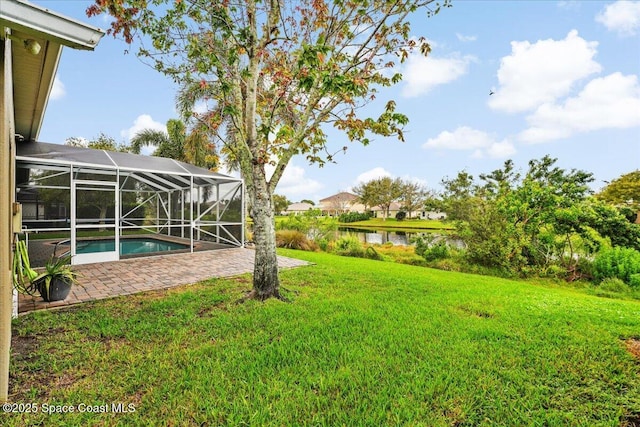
{"points": [[400, 238]]}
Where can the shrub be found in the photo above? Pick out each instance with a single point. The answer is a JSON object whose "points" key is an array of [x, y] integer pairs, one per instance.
{"points": [[353, 217], [446, 265], [293, 222], [324, 244], [431, 248], [613, 284], [314, 226], [438, 251], [617, 262], [293, 239], [584, 268], [634, 281], [371, 253], [401, 215], [349, 245], [552, 271]]}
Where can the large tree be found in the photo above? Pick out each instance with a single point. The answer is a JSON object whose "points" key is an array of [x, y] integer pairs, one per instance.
{"points": [[623, 191], [381, 192], [519, 222], [272, 73], [413, 196]]}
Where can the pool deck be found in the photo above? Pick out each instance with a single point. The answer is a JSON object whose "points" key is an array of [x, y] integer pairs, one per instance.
{"points": [[131, 276]]}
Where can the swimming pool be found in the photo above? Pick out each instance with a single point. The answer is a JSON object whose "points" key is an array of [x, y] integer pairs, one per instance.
{"points": [[128, 246]]}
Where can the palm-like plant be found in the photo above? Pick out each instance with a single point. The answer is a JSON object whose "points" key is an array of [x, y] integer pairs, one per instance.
{"points": [[191, 147], [56, 269], [23, 275], [208, 124]]}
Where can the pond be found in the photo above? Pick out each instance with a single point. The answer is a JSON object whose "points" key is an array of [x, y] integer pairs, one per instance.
{"points": [[399, 238]]}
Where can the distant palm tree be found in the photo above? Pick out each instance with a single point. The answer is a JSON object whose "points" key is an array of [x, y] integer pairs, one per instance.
{"points": [[210, 121], [191, 147]]}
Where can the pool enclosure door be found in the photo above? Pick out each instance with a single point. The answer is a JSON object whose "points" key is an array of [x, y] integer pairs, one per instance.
{"points": [[94, 219]]}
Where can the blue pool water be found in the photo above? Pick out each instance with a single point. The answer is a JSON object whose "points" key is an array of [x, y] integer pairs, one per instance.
{"points": [[128, 246]]}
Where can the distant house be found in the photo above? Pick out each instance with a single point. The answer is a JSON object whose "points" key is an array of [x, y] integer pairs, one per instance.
{"points": [[433, 215], [298, 208], [394, 208], [340, 203]]}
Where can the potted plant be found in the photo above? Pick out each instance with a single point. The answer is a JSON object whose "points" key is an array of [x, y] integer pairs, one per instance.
{"points": [[55, 282]]}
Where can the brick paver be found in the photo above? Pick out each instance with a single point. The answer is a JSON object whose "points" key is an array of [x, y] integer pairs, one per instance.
{"points": [[111, 279]]}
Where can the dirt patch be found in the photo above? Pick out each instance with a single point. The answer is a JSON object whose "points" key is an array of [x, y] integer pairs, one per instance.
{"points": [[240, 279], [631, 421], [22, 346], [208, 311], [633, 347], [476, 312]]}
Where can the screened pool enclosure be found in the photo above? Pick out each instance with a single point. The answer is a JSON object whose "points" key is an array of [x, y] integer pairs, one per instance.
{"points": [[104, 206]]}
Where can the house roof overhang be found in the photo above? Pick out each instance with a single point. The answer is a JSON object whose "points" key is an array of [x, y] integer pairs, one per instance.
{"points": [[33, 74]]}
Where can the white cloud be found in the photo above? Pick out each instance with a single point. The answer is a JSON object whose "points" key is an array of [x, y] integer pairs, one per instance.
{"points": [[501, 150], [541, 72], [463, 38], [295, 185], [421, 74], [142, 122], [57, 90], [372, 174], [622, 17], [468, 139], [611, 102]]}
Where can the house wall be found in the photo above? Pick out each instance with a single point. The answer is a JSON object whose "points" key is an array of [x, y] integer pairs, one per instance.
{"points": [[7, 156], [379, 213], [433, 215]]}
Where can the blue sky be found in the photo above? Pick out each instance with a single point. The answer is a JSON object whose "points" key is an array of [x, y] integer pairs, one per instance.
{"points": [[565, 77]]}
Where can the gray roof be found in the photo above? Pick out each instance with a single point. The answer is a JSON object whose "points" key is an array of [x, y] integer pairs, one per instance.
{"points": [[299, 207], [168, 169]]}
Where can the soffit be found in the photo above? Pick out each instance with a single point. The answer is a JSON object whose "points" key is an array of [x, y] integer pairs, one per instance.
{"points": [[33, 75]]}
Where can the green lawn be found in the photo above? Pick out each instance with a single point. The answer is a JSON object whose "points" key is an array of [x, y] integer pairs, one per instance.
{"points": [[363, 343], [405, 225]]}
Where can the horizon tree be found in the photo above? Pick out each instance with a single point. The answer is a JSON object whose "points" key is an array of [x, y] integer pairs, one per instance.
{"points": [[280, 203], [272, 73], [623, 191], [381, 192], [413, 196]]}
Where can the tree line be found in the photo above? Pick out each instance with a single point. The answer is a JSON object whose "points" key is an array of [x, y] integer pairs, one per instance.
{"points": [[545, 219]]}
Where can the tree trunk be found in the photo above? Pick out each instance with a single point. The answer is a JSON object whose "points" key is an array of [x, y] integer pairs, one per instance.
{"points": [[103, 217], [266, 283]]}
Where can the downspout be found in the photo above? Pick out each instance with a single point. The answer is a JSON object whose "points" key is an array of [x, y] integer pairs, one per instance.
{"points": [[7, 200]]}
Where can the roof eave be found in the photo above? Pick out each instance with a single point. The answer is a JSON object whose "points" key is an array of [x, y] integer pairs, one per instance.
{"points": [[38, 21]]}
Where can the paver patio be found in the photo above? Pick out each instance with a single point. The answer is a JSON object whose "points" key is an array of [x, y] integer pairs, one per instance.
{"points": [[111, 279]]}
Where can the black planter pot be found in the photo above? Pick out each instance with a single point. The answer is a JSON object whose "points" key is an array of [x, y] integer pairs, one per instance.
{"points": [[58, 290]]}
